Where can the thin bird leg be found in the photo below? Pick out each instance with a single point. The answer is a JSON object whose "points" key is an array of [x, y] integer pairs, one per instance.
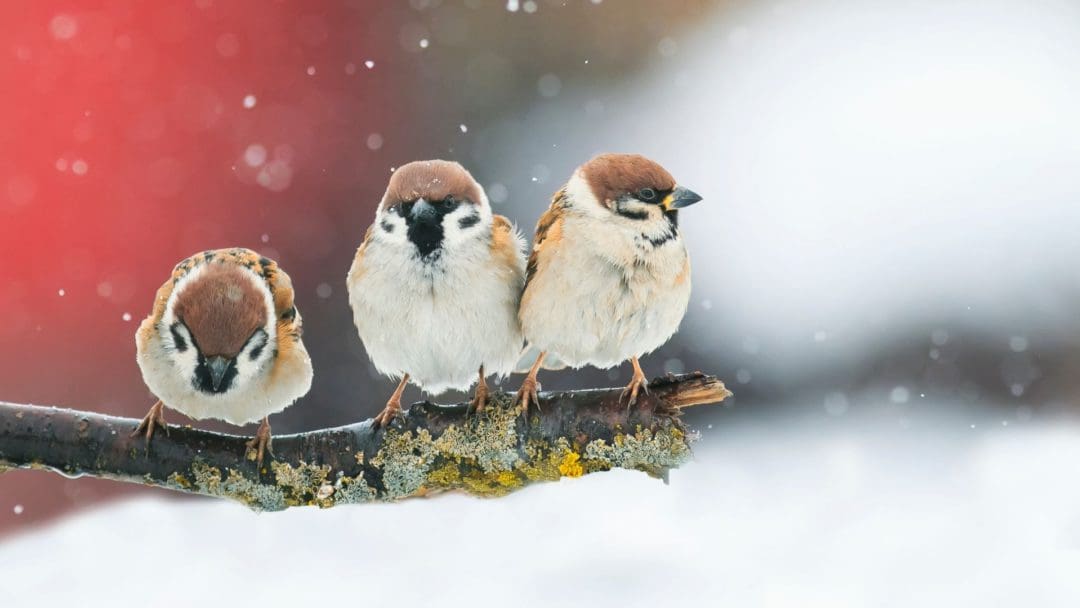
{"points": [[393, 406], [530, 387], [480, 396], [637, 383], [260, 443], [154, 418]]}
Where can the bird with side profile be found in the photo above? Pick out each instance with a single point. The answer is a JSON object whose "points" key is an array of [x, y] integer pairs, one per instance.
{"points": [[224, 341], [435, 286], [609, 275]]}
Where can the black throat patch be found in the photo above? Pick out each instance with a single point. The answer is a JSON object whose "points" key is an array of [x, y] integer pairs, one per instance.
{"points": [[204, 383], [426, 232]]}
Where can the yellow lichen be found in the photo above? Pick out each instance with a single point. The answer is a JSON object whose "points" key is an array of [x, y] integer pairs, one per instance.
{"points": [[482, 455], [180, 481], [508, 479], [490, 484], [446, 476], [570, 467]]}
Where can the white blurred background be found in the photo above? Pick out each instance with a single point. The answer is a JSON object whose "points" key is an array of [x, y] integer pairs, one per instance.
{"points": [[885, 272]]}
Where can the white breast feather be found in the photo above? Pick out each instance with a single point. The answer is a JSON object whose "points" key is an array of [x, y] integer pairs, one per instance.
{"points": [[437, 323]]}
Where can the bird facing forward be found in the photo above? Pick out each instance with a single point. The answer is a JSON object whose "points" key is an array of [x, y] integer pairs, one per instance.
{"points": [[223, 341], [435, 286], [609, 275]]}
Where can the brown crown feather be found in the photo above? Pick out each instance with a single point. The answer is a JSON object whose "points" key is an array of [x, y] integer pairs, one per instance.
{"points": [[222, 308], [432, 180], [613, 175]]}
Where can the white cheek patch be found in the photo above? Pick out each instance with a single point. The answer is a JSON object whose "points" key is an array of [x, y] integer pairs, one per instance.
{"points": [[462, 224], [581, 197], [177, 340], [253, 359], [391, 227]]}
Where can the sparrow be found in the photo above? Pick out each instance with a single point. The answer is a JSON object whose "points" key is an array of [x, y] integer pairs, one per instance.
{"points": [[435, 286], [224, 341], [609, 275]]}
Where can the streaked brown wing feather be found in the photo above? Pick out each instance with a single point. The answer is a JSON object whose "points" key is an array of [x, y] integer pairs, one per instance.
{"points": [[543, 228]]}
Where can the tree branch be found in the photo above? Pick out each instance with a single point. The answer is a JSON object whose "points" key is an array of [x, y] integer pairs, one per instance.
{"points": [[434, 448]]}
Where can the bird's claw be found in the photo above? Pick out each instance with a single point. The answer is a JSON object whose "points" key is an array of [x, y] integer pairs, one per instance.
{"points": [[261, 443], [154, 418], [529, 391], [637, 384], [479, 400], [387, 415]]}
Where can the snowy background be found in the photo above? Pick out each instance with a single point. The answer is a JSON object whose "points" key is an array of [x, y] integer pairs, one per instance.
{"points": [[884, 268]]}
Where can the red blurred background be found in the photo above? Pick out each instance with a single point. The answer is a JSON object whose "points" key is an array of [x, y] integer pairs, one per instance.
{"points": [[136, 133]]}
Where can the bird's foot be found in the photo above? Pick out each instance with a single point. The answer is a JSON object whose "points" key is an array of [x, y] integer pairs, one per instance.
{"points": [[529, 392], [391, 411], [638, 383], [154, 418], [259, 445], [480, 398]]}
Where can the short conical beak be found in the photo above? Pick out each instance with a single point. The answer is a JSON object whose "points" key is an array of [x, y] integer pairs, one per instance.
{"points": [[217, 366], [680, 197], [424, 211]]}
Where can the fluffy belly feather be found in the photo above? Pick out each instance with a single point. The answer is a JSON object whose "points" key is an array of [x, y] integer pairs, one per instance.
{"points": [[586, 311], [441, 328]]}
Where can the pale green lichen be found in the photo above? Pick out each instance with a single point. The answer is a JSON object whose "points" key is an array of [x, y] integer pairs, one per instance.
{"points": [[645, 450], [349, 490], [405, 460], [301, 483], [478, 456], [258, 496], [481, 456], [489, 439]]}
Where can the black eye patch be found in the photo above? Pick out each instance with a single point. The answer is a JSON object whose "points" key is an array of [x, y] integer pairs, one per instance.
{"points": [[469, 221], [178, 341], [258, 342]]}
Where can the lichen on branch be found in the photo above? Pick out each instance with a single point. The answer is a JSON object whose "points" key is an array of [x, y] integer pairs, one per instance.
{"points": [[434, 448]]}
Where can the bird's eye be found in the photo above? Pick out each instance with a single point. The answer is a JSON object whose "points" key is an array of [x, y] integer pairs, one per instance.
{"points": [[647, 194], [449, 203]]}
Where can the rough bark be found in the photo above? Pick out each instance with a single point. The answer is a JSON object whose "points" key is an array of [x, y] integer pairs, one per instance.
{"points": [[433, 448]]}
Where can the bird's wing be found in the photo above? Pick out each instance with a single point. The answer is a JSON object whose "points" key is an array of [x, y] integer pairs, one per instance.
{"points": [[357, 269], [549, 227], [508, 247]]}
